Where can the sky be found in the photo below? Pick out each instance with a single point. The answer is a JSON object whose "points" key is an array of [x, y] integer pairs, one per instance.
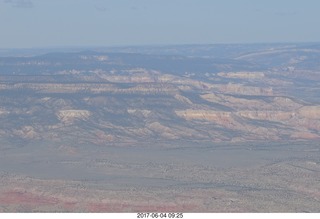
{"points": [[81, 23]]}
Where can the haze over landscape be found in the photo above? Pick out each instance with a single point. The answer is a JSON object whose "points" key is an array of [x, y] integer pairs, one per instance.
{"points": [[159, 106]]}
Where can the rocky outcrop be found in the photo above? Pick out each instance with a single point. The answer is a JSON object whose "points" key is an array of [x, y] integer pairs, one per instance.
{"points": [[100, 99], [26, 132], [203, 115], [310, 112], [263, 124], [240, 89], [267, 115], [68, 116], [242, 75]]}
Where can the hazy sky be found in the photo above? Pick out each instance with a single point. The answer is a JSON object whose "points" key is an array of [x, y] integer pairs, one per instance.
{"points": [[50, 23]]}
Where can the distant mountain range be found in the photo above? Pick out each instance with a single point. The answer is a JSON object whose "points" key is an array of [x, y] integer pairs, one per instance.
{"points": [[140, 95]]}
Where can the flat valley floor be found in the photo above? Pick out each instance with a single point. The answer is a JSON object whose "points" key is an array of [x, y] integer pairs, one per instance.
{"points": [[161, 177]]}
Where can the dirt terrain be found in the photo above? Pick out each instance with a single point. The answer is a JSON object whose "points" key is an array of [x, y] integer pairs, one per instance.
{"points": [[197, 129], [234, 178]]}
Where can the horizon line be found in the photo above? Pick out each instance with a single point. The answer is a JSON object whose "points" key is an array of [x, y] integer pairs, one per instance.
{"points": [[155, 45]]}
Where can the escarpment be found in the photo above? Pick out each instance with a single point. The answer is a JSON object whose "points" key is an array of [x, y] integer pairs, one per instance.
{"points": [[111, 99]]}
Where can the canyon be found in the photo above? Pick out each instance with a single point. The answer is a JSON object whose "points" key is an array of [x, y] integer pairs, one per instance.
{"points": [[127, 129]]}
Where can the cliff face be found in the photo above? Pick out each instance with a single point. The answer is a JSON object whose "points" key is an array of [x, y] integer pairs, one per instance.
{"points": [[100, 99], [211, 128]]}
